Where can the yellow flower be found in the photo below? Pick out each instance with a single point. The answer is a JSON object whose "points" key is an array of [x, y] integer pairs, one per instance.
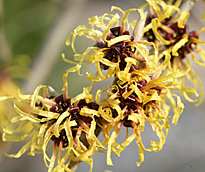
{"points": [[138, 99], [157, 23], [72, 125], [175, 37], [7, 88], [14, 69], [113, 44]]}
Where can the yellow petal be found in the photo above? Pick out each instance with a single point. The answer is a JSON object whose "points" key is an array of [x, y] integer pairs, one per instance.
{"points": [[179, 44], [183, 18], [155, 28]]}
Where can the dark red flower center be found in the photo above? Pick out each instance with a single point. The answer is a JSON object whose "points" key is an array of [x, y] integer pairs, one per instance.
{"points": [[117, 52], [177, 36], [149, 35], [131, 102], [74, 110]]}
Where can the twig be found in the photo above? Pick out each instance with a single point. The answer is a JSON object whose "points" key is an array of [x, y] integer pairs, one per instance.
{"points": [[187, 6], [74, 165]]}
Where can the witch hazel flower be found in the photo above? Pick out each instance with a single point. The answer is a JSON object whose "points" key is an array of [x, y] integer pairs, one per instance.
{"points": [[175, 37], [113, 44], [9, 71], [158, 21], [138, 99], [71, 125], [182, 43]]}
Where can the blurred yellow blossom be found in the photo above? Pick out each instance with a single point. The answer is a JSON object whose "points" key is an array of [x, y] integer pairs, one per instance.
{"points": [[15, 68]]}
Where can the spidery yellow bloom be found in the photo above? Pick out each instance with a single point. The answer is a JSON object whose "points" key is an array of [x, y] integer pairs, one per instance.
{"points": [[138, 99], [113, 44], [175, 37], [10, 70], [70, 125]]}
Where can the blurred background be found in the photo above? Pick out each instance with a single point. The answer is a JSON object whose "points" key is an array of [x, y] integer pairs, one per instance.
{"points": [[32, 37]]}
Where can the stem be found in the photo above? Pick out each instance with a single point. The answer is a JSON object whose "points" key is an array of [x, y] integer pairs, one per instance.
{"points": [[187, 6], [74, 165]]}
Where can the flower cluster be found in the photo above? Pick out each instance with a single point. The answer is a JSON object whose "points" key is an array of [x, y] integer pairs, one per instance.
{"points": [[11, 70], [142, 83], [8, 73]]}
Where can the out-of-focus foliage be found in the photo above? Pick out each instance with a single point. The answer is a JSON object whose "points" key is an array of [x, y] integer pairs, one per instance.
{"points": [[26, 23]]}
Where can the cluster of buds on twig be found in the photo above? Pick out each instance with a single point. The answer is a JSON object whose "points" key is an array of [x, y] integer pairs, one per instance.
{"points": [[144, 77]]}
